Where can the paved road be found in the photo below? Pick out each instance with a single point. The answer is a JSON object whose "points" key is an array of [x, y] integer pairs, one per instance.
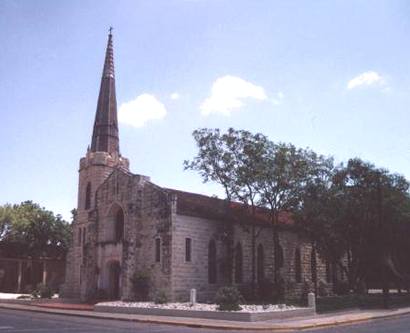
{"points": [[391, 325], [21, 321]]}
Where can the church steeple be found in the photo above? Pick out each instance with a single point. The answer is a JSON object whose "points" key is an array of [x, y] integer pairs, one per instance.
{"points": [[105, 133]]}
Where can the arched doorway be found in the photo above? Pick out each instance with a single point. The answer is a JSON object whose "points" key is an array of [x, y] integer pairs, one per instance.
{"points": [[114, 224], [114, 271]]}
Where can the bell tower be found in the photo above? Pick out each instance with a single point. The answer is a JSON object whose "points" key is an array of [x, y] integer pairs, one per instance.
{"points": [[101, 159]]}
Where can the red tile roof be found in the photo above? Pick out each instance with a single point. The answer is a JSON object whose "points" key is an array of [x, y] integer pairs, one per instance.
{"points": [[198, 205]]}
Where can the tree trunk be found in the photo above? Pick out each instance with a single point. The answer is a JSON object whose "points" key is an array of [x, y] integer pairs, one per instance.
{"points": [[385, 283], [276, 245], [253, 259]]}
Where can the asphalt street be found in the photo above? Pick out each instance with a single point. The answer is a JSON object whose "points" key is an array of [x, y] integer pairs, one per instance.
{"points": [[25, 321]]}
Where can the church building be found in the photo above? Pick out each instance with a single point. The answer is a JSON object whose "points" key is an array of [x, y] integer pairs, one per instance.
{"points": [[127, 224]]}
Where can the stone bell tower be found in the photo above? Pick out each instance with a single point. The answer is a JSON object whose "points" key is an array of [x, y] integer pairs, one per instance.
{"points": [[101, 159]]}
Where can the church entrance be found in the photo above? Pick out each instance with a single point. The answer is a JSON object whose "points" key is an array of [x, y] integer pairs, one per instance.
{"points": [[114, 270]]}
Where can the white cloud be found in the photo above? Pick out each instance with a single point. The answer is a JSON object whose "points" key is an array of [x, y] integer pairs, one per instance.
{"points": [[141, 110], [365, 79], [174, 96], [227, 94]]}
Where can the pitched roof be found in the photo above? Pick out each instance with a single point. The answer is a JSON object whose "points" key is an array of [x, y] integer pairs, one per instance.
{"points": [[198, 205]]}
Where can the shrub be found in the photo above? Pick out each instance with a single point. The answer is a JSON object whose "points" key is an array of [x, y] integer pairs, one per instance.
{"points": [[228, 299], [322, 288], [160, 297], [140, 285], [341, 288], [336, 303], [35, 294], [42, 291]]}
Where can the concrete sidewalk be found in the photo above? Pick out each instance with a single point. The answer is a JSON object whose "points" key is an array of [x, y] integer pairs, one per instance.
{"points": [[340, 318]]}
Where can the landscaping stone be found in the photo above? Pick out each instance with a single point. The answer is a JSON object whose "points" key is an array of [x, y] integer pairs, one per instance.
{"points": [[248, 313]]}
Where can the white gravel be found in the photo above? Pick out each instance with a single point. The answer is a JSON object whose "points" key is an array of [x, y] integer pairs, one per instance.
{"points": [[11, 295], [199, 306]]}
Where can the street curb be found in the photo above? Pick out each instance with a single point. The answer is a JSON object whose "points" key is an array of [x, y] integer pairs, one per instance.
{"points": [[273, 327], [80, 313]]}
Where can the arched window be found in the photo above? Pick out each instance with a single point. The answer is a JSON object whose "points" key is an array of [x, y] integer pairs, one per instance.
{"points": [[79, 236], [84, 235], [260, 263], [238, 263], [279, 258], [212, 262], [328, 272], [313, 265], [119, 226], [188, 249], [157, 249], [298, 266], [87, 203]]}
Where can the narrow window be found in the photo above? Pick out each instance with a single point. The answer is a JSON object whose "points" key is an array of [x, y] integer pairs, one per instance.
{"points": [[298, 266], [313, 265], [212, 262], [84, 235], [333, 272], [119, 226], [328, 272], [188, 249], [157, 249], [79, 236], [342, 274], [279, 258], [238, 263], [87, 204], [260, 263]]}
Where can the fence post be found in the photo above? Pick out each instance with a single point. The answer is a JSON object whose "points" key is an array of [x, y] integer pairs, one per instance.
{"points": [[192, 297], [312, 301]]}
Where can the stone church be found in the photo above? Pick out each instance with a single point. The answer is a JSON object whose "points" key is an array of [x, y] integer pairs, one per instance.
{"points": [[127, 224]]}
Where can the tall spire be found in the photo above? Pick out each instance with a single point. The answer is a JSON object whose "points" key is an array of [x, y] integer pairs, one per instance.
{"points": [[105, 132]]}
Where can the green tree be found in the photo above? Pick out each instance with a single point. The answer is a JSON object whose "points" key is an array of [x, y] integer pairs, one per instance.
{"points": [[257, 173], [358, 217], [232, 159], [286, 173], [27, 229]]}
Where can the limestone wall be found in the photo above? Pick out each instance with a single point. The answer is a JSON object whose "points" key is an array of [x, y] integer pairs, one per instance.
{"points": [[147, 216], [194, 274]]}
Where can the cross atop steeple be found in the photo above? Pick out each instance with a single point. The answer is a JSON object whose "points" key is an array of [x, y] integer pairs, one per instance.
{"points": [[105, 134]]}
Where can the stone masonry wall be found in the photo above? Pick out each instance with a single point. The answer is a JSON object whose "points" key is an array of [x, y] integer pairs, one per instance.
{"points": [[94, 169], [147, 215], [194, 274]]}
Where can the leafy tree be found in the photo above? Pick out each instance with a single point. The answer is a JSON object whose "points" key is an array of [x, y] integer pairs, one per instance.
{"points": [[286, 173], [257, 173], [356, 212], [29, 230], [358, 216], [232, 159]]}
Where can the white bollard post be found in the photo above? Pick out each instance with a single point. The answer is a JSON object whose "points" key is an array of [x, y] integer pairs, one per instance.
{"points": [[192, 297], [312, 301]]}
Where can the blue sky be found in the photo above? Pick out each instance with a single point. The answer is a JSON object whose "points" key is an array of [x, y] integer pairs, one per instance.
{"points": [[330, 75]]}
